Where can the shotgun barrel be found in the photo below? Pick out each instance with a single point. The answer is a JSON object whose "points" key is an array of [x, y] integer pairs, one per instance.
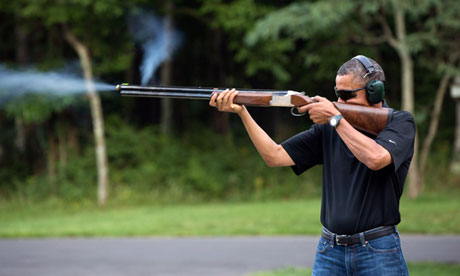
{"points": [[183, 92], [369, 119]]}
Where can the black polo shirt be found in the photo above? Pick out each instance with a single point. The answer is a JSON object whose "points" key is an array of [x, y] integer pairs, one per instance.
{"points": [[354, 197]]}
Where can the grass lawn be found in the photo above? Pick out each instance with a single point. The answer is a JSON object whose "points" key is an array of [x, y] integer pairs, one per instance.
{"points": [[415, 269], [429, 214], [269, 218], [433, 214]]}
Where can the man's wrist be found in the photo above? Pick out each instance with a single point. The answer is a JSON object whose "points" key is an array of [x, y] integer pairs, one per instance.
{"points": [[242, 111], [335, 112], [335, 120]]}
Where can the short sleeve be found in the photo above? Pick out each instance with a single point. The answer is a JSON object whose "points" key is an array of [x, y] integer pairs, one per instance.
{"points": [[305, 149], [398, 137]]}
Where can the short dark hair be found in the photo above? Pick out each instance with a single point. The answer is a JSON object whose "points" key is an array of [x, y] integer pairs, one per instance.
{"points": [[355, 68]]}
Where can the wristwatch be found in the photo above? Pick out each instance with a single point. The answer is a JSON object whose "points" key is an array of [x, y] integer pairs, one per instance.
{"points": [[335, 120]]}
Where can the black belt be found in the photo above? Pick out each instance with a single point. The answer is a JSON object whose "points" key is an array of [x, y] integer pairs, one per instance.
{"points": [[355, 238]]}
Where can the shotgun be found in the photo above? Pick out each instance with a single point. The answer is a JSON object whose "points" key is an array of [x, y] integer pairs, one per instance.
{"points": [[369, 119]]}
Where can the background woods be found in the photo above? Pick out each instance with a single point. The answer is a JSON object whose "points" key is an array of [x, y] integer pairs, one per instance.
{"points": [[65, 146]]}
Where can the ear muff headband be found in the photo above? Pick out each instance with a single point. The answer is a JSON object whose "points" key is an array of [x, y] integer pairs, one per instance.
{"points": [[375, 89]]}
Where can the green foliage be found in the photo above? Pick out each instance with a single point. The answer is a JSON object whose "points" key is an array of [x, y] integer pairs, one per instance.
{"points": [[237, 19], [215, 168], [201, 166], [301, 20], [268, 59], [439, 177], [265, 44], [75, 182], [229, 15], [146, 166], [286, 40], [99, 24], [36, 108]]}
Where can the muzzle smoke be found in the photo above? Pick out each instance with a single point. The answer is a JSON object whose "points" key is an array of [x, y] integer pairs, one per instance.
{"points": [[20, 82], [157, 39]]}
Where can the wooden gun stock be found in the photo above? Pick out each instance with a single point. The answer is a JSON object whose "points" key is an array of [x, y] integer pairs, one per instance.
{"points": [[369, 119]]}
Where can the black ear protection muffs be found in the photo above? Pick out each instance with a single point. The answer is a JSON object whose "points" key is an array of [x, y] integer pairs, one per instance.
{"points": [[375, 89]]}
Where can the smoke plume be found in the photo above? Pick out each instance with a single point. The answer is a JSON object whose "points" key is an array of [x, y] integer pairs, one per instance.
{"points": [[157, 39], [158, 42], [25, 81]]}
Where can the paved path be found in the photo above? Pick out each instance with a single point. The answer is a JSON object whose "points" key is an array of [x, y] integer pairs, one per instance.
{"points": [[184, 256]]}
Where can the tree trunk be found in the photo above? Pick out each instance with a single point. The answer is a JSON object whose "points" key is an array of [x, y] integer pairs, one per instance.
{"points": [[435, 114], [21, 135], [62, 143], [72, 139], [22, 53], [96, 114], [22, 57], [166, 72], [51, 160], [408, 105], [2, 151], [407, 78], [455, 165], [220, 120]]}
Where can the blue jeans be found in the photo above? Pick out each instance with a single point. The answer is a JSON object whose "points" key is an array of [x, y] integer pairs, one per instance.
{"points": [[382, 256]]}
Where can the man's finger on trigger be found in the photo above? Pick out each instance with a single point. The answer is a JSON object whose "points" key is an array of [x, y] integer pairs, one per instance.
{"points": [[309, 107], [302, 109]]}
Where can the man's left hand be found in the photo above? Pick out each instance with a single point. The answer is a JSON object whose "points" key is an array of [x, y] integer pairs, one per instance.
{"points": [[320, 111]]}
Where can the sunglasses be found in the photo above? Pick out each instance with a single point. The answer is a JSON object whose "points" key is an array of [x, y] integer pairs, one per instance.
{"points": [[346, 94]]}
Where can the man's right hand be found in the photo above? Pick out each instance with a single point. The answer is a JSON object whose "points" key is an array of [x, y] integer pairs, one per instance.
{"points": [[224, 101]]}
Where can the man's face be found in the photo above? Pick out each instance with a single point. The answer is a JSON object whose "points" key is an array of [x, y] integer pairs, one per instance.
{"points": [[346, 82]]}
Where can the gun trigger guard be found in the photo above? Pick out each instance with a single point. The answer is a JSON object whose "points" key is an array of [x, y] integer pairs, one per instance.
{"points": [[295, 113]]}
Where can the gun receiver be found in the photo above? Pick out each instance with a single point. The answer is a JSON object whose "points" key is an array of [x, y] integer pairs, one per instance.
{"points": [[368, 119]]}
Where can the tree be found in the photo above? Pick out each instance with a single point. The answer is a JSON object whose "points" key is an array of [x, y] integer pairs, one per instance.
{"points": [[455, 162], [166, 74], [96, 114], [236, 64], [435, 32], [359, 22], [85, 26]]}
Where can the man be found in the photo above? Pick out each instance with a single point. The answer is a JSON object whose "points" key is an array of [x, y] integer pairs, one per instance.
{"points": [[363, 175]]}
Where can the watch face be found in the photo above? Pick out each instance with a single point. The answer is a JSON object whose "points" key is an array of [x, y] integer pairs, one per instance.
{"points": [[333, 122]]}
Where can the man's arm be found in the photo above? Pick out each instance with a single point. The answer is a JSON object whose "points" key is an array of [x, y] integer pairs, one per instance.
{"points": [[365, 149], [273, 154]]}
